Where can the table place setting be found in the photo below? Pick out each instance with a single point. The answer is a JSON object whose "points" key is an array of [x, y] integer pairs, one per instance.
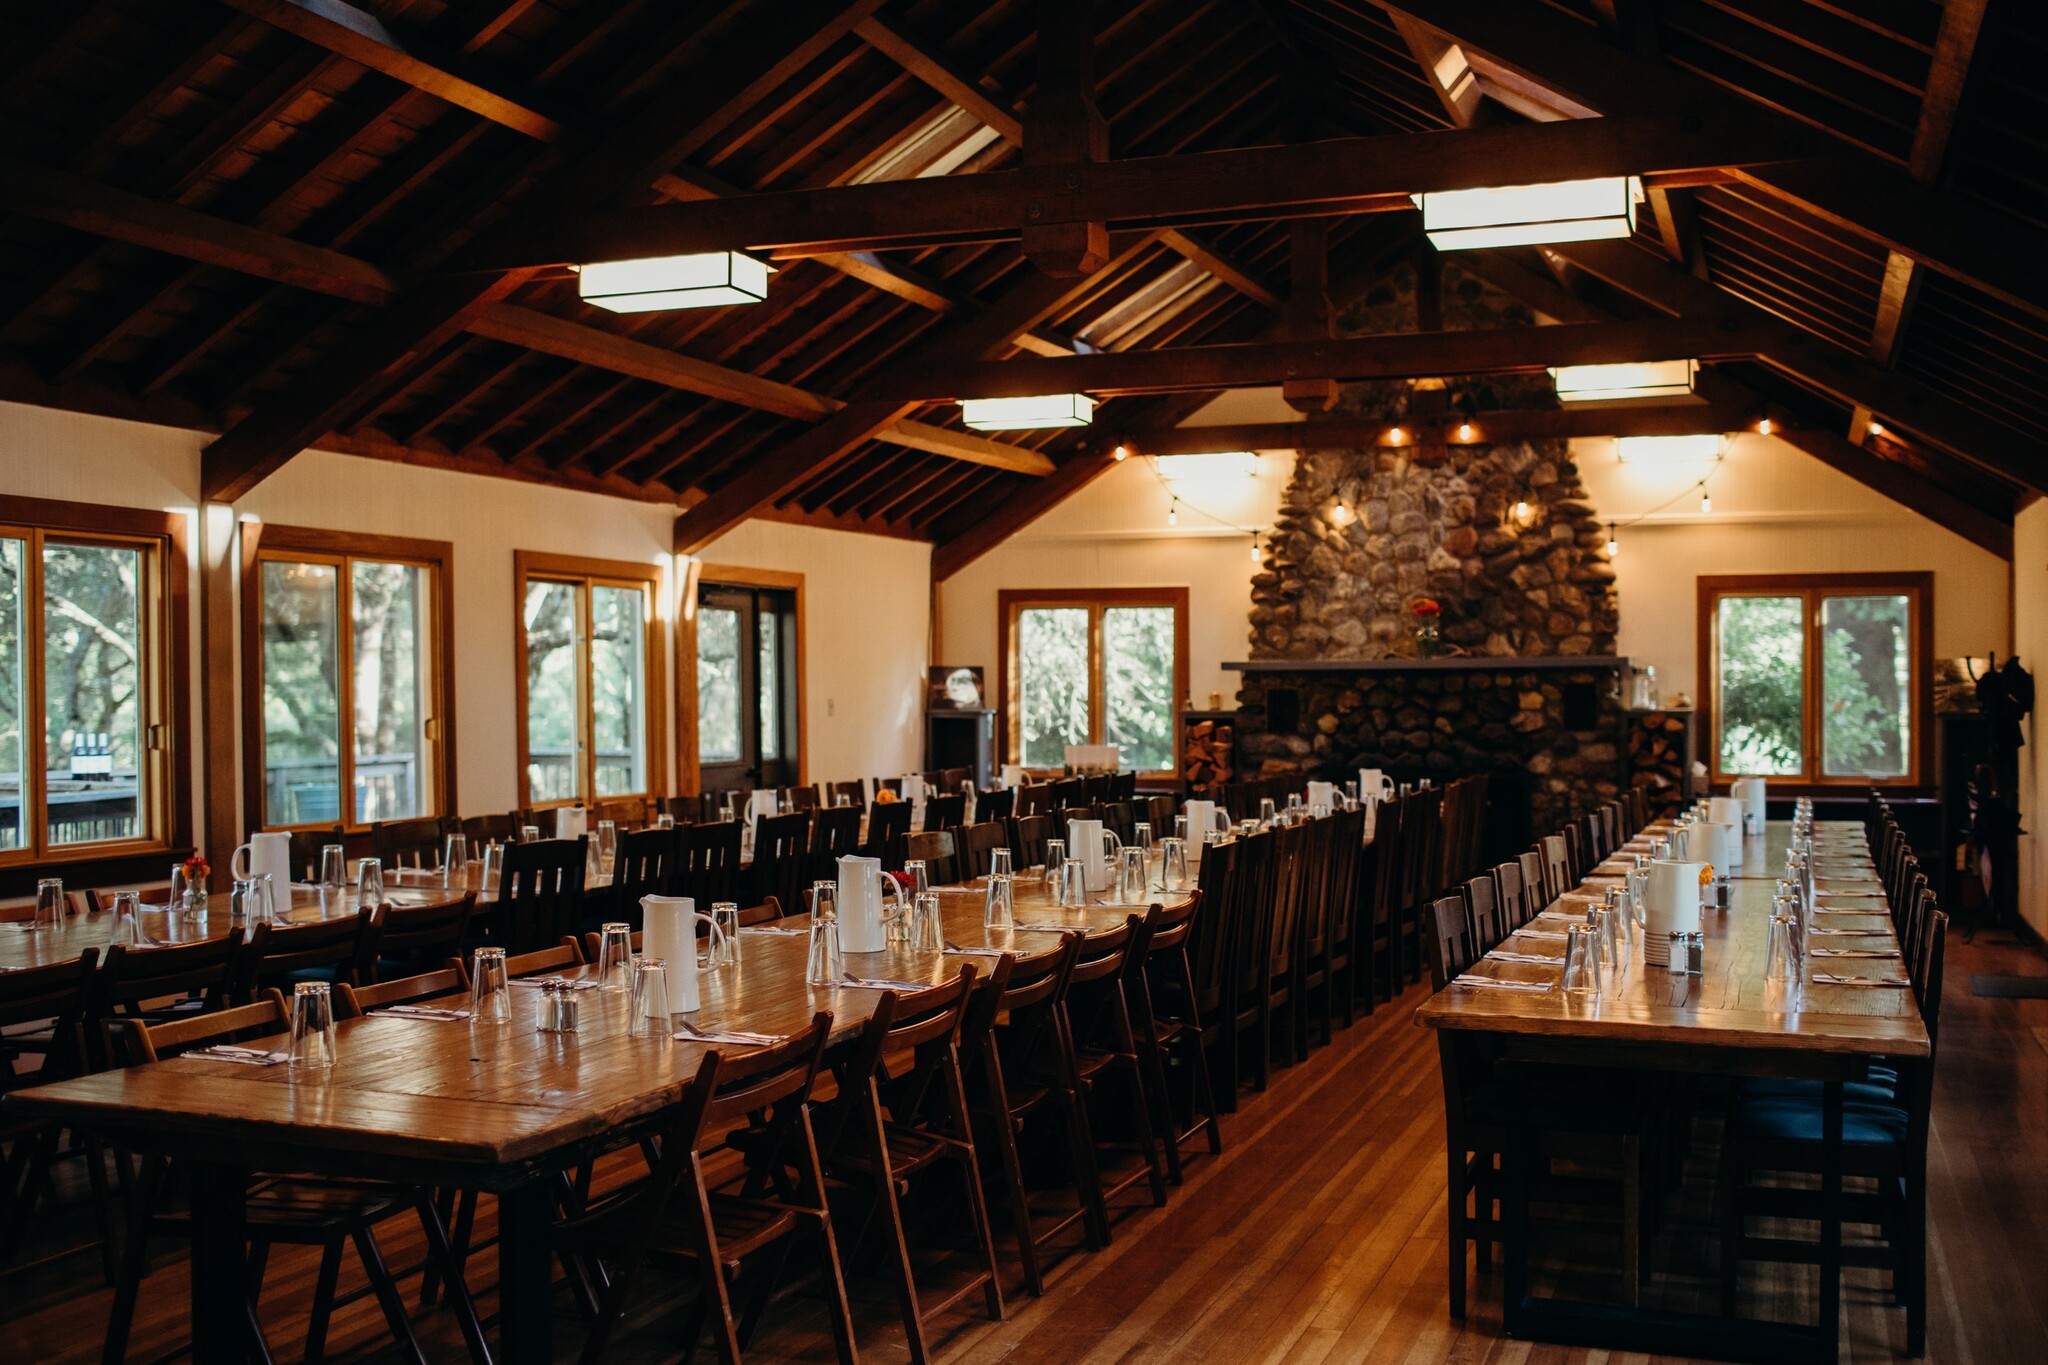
{"points": [[240, 1056], [449, 1016], [772, 931], [962, 950], [1536, 959], [687, 1032], [1831, 979], [1854, 952], [562, 983], [863, 983], [1497, 983]]}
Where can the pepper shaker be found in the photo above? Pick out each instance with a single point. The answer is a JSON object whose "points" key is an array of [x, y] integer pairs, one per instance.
{"points": [[1695, 953]]}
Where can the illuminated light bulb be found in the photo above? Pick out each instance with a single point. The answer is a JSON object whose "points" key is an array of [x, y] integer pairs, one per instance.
{"points": [[1173, 515], [1706, 502], [1395, 435], [1464, 431], [1613, 545], [1877, 428], [1765, 426], [1122, 452], [1257, 558], [1340, 515], [1521, 509]]}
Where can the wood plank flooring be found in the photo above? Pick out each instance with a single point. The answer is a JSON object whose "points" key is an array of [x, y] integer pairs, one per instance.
{"points": [[1316, 1237]]}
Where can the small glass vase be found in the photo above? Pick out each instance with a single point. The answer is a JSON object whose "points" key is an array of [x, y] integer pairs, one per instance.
{"points": [[1429, 639], [195, 904]]}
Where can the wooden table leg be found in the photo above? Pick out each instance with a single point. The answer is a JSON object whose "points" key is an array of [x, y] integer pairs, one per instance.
{"points": [[1514, 1205], [1831, 1221], [220, 1275], [526, 1276]]}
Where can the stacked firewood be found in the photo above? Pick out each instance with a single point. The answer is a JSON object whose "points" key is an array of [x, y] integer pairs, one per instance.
{"points": [[1205, 752], [1657, 753]]}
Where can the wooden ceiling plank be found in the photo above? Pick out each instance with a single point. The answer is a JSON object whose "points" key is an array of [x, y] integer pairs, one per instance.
{"points": [[1215, 262], [363, 38], [1343, 175], [1463, 101], [967, 446], [1832, 178], [931, 66], [544, 431]]}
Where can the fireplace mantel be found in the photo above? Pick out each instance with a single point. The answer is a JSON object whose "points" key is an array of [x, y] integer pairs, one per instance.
{"points": [[1475, 663]]}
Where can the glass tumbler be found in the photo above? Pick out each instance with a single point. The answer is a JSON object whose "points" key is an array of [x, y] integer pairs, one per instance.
{"points": [[607, 846], [1581, 960], [1055, 858], [180, 892], [664, 821], [999, 862], [920, 875], [998, 909], [927, 929], [455, 861], [615, 956], [825, 963], [369, 884], [1141, 835], [650, 1010], [312, 1045], [128, 919], [529, 834], [490, 993], [333, 868], [1130, 880], [1073, 891], [49, 904], [1267, 812], [1173, 864], [1778, 961], [1180, 828], [725, 942]]}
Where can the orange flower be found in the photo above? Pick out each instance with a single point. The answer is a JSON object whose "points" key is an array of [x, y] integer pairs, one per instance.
{"points": [[1425, 606], [1706, 874], [885, 797]]}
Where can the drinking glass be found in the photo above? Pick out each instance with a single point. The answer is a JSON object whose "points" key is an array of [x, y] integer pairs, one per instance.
{"points": [[728, 808], [1173, 864], [494, 862], [246, 904], [369, 883], [1294, 804], [1267, 813], [1250, 827], [927, 929], [1055, 856], [664, 821], [650, 1009], [1141, 836], [1581, 960], [128, 919], [997, 911], [49, 904], [455, 861], [490, 994], [529, 834], [825, 963], [1130, 883], [312, 1045], [333, 866], [179, 890], [607, 846], [725, 940], [999, 862], [1073, 883], [920, 875], [615, 956], [842, 799], [1779, 964], [1605, 936], [1351, 790], [1180, 828]]}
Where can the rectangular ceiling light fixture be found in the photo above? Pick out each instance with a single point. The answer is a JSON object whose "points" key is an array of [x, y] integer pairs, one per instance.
{"points": [[710, 280], [1631, 449], [1019, 414], [1529, 215], [1221, 464], [1631, 379]]}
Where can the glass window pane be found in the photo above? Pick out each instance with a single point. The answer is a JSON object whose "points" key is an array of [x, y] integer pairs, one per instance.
{"points": [[301, 700], [618, 675], [1866, 685], [1052, 683], [769, 624], [718, 685], [13, 738], [92, 702], [391, 672], [553, 692], [1763, 667], [1137, 685]]}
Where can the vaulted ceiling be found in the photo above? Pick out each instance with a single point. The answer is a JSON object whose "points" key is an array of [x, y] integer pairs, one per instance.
{"points": [[306, 222]]}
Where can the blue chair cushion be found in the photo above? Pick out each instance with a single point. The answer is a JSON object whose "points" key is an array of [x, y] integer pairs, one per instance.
{"points": [[1881, 1088], [1796, 1119]]}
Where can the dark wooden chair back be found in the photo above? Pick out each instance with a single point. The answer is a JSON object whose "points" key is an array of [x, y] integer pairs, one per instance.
{"points": [[1448, 940], [937, 850], [835, 834], [945, 812], [407, 843], [1028, 834], [855, 793], [1034, 798], [483, 830], [1484, 911], [276, 954], [564, 956], [1069, 791], [305, 850], [888, 828], [449, 985], [1558, 876], [55, 995], [800, 798], [689, 810], [1421, 858], [1119, 818], [996, 805], [1511, 902], [711, 861], [1214, 937], [129, 978], [974, 844], [132, 1042], [540, 893], [782, 855], [626, 812], [649, 862]]}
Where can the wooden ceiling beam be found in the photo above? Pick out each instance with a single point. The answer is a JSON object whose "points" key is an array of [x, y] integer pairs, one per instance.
{"points": [[1308, 317], [929, 65], [967, 446], [1519, 424], [1849, 378], [363, 38], [1339, 176], [1205, 257], [1463, 101], [1987, 249], [1405, 355], [1064, 132]]}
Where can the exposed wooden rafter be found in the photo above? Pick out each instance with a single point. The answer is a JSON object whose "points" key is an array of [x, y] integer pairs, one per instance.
{"points": [[1678, 419]]}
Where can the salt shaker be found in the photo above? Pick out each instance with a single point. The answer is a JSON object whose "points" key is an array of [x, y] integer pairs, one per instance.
{"points": [[1695, 953], [1675, 964]]}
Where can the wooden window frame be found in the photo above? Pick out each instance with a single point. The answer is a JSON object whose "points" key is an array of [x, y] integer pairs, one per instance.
{"points": [[589, 573], [1010, 601], [164, 789], [309, 544], [1916, 587], [689, 768]]}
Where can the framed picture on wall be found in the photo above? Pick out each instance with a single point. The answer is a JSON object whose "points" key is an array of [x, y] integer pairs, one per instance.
{"points": [[955, 689]]}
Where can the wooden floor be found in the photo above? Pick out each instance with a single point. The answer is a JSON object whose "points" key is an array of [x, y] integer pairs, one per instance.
{"points": [[1318, 1236]]}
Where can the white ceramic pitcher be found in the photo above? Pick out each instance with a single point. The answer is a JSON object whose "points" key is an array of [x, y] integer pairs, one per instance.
{"points": [[264, 854], [1374, 785], [670, 935], [863, 915], [1096, 849]]}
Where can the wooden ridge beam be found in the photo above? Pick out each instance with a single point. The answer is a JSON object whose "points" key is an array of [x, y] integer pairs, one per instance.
{"points": [[363, 38], [1514, 424], [1338, 176], [75, 202], [1064, 130], [1402, 355], [1840, 183], [1849, 378]]}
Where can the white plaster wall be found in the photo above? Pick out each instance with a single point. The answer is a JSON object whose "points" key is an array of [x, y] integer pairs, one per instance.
{"points": [[867, 599], [2030, 642], [1775, 510]]}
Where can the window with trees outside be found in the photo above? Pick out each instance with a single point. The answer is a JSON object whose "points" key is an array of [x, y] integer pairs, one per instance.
{"points": [[1105, 666], [90, 663], [590, 679], [1818, 678], [352, 676]]}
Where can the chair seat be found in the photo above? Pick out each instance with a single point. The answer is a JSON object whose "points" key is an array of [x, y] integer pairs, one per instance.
{"points": [[292, 1209], [1881, 1090], [743, 1225], [910, 1151], [1564, 1102], [1794, 1119]]}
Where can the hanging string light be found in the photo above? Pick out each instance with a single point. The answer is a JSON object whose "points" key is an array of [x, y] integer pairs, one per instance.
{"points": [[1613, 545], [1257, 558], [1706, 501], [1173, 513]]}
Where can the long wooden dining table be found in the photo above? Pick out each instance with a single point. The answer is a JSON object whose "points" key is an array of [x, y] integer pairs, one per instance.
{"points": [[1729, 1021], [492, 1107]]}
